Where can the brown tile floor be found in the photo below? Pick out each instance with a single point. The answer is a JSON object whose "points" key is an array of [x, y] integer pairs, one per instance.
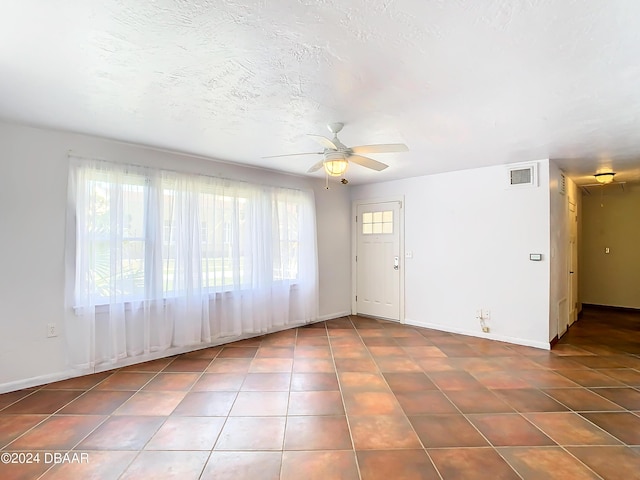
{"points": [[351, 398]]}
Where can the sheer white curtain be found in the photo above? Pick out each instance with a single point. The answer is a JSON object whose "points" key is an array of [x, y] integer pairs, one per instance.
{"points": [[159, 259]]}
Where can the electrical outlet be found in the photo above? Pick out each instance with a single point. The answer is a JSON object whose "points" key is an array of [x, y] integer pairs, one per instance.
{"points": [[52, 330], [483, 314]]}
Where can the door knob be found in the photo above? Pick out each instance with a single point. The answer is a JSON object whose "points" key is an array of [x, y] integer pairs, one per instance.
{"points": [[396, 263]]}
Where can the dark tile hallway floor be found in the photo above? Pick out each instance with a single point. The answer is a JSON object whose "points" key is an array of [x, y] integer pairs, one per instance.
{"points": [[351, 398]]}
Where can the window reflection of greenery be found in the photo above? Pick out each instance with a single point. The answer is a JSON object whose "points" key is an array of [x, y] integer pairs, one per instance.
{"points": [[222, 235]]}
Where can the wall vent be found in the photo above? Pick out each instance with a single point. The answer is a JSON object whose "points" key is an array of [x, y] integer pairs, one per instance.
{"points": [[562, 184], [523, 175]]}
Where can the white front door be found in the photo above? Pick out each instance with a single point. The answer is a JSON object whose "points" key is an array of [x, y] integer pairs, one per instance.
{"points": [[378, 260]]}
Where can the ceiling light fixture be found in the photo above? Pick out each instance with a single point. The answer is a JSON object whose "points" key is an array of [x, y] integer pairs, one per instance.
{"points": [[335, 164], [604, 178]]}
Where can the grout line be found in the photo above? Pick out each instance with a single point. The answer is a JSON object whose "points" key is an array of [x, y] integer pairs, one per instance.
{"points": [[286, 412], [19, 399], [344, 405], [464, 415], [112, 414], [206, 462], [403, 412]]}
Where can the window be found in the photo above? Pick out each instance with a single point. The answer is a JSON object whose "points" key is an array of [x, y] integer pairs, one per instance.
{"points": [[157, 260], [114, 229], [285, 252], [144, 234], [376, 223]]}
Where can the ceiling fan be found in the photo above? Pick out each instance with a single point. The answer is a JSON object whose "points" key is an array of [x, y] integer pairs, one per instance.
{"points": [[337, 156]]}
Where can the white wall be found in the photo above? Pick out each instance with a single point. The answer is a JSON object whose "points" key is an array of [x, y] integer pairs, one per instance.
{"points": [[33, 187], [559, 261], [471, 236]]}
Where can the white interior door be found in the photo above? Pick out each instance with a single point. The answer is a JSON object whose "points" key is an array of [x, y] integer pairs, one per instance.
{"points": [[573, 263], [378, 260]]}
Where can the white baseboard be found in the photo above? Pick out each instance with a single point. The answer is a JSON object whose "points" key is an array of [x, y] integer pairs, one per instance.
{"points": [[331, 316], [490, 336], [43, 379], [125, 362]]}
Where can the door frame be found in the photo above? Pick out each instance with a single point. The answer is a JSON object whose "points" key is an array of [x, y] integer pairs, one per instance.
{"points": [[572, 263], [354, 248]]}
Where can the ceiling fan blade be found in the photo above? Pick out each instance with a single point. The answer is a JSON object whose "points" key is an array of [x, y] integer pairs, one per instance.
{"points": [[324, 141], [367, 162], [294, 154], [381, 148], [316, 166]]}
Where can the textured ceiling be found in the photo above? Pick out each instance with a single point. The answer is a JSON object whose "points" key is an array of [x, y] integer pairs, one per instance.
{"points": [[462, 83]]}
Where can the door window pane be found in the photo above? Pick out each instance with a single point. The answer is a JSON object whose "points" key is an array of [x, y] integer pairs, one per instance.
{"points": [[376, 223]]}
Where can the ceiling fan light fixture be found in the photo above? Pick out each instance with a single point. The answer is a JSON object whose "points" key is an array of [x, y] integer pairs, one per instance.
{"points": [[335, 165], [605, 177]]}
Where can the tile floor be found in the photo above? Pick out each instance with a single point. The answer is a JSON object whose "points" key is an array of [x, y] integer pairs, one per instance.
{"points": [[351, 398]]}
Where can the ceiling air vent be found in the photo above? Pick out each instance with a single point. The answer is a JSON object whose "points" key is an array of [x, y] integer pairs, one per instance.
{"points": [[523, 175]]}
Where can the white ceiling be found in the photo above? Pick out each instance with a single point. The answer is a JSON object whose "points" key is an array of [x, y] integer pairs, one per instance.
{"points": [[463, 83]]}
